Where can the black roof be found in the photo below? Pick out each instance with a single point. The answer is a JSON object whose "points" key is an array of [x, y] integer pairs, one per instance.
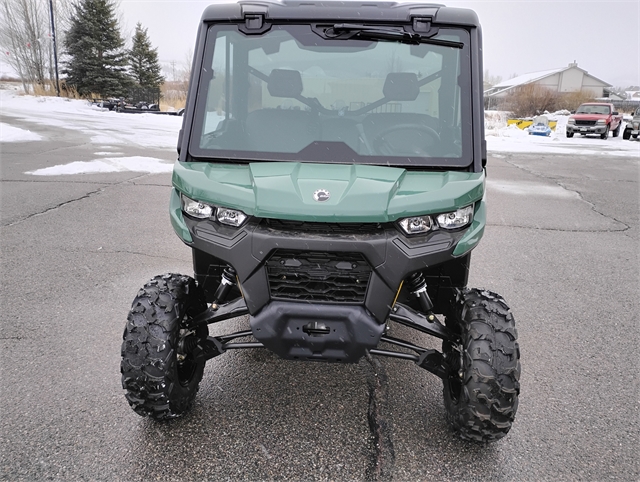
{"points": [[333, 10]]}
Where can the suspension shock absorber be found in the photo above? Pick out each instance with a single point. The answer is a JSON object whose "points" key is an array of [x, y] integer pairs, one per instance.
{"points": [[227, 281], [418, 287]]}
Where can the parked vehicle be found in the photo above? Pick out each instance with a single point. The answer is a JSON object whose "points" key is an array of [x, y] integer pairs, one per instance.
{"points": [[632, 128], [137, 107], [330, 198], [595, 118], [109, 104], [540, 127]]}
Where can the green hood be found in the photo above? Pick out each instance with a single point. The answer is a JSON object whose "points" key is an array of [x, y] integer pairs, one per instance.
{"points": [[358, 193]]}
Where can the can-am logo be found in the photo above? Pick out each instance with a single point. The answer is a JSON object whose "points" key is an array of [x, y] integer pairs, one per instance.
{"points": [[321, 195]]}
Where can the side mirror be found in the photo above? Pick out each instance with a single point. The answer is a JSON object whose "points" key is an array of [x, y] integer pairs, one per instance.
{"points": [[615, 113], [573, 111]]}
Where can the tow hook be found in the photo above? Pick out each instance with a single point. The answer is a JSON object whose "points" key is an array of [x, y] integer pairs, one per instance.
{"points": [[316, 328]]}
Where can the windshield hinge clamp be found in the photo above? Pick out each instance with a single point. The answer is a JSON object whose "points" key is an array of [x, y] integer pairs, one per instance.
{"points": [[422, 26], [253, 21]]}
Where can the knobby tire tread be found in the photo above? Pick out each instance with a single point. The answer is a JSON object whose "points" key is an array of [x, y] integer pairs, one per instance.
{"points": [[481, 406], [149, 366]]}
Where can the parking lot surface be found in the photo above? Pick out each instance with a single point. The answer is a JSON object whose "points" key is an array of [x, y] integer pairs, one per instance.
{"points": [[561, 246]]}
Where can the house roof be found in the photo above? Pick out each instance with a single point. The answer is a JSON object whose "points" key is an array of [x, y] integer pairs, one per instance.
{"points": [[533, 77], [527, 78]]}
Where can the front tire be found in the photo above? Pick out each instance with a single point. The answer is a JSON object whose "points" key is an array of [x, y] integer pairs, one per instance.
{"points": [[626, 135], [159, 374], [616, 131], [482, 387], [569, 135], [605, 134]]}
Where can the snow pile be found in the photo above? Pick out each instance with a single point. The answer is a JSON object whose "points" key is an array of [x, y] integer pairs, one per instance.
{"points": [[494, 120], [10, 133], [511, 130]]}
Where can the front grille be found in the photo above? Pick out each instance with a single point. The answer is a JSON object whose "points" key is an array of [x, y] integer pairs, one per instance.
{"points": [[324, 228], [585, 122], [318, 276]]}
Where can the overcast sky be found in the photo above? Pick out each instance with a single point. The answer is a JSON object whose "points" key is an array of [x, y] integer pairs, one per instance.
{"points": [[520, 36]]}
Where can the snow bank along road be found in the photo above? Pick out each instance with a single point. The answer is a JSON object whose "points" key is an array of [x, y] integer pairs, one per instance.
{"points": [[561, 247]]}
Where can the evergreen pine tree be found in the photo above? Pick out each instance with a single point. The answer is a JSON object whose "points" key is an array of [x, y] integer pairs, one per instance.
{"points": [[97, 58], [143, 61]]}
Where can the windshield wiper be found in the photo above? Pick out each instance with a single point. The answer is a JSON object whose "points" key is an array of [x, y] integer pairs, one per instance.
{"points": [[384, 33]]}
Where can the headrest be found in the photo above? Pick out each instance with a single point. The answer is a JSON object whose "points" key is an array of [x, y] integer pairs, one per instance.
{"points": [[401, 86], [284, 83]]}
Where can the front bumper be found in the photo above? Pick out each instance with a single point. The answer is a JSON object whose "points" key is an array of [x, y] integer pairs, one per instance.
{"points": [[577, 129], [389, 255]]}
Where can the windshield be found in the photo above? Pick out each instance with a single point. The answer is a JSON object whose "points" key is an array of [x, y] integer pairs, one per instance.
{"points": [[593, 109], [292, 94]]}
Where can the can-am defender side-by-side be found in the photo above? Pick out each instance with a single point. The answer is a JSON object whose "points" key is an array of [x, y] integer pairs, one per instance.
{"points": [[330, 184]]}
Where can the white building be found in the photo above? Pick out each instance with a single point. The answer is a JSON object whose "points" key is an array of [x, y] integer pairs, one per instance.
{"points": [[566, 79]]}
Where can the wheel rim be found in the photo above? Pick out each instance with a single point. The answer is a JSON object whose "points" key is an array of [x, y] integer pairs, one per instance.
{"points": [[187, 367], [186, 370]]}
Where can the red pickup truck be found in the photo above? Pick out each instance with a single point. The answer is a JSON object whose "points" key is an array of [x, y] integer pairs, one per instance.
{"points": [[595, 118]]}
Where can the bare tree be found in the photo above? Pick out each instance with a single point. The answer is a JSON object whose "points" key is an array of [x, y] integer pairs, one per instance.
{"points": [[491, 79], [174, 93], [26, 40]]}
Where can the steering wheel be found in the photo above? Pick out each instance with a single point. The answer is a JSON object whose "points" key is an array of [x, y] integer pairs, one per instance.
{"points": [[420, 145]]}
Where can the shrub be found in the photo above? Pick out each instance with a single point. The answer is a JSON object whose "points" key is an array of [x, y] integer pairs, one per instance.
{"points": [[571, 100], [530, 100]]}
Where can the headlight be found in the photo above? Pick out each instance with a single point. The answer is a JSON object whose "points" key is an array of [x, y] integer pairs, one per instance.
{"points": [[601, 122], [196, 209], [231, 217], [571, 121], [200, 210], [416, 225], [456, 219]]}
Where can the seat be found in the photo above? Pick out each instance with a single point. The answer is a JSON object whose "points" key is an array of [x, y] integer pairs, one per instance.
{"points": [[282, 130]]}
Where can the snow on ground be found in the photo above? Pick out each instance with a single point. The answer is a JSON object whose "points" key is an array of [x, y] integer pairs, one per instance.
{"points": [[530, 189], [10, 133], [103, 126], [113, 164], [503, 138], [112, 130]]}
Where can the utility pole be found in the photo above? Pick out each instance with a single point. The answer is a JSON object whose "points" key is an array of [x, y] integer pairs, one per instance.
{"points": [[55, 47]]}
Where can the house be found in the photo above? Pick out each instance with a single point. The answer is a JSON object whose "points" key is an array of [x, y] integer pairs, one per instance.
{"points": [[633, 95], [613, 96], [567, 79]]}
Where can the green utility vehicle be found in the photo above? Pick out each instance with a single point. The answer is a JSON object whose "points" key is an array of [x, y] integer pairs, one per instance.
{"points": [[330, 184]]}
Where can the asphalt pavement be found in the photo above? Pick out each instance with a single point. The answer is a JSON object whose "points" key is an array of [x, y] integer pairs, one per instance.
{"points": [[561, 246]]}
